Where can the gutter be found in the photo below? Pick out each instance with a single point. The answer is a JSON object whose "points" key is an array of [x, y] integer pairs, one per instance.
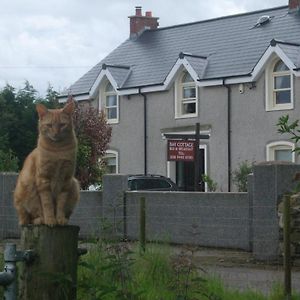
{"points": [[145, 132], [228, 87]]}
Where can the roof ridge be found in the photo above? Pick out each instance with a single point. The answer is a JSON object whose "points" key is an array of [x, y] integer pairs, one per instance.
{"points": [[218, 18], [104, 66], [275, 41]]}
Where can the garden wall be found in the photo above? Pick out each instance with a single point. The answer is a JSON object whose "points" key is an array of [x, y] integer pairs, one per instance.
{"points": [[245, 221]]}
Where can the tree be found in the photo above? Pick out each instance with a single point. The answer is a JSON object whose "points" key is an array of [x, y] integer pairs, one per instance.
{"points": [[93, 135], [292, 128]]}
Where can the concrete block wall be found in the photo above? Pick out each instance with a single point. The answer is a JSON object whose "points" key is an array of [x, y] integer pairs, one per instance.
{"points": [[87, 214], [271, 180], [246, 221], [205, 219]]}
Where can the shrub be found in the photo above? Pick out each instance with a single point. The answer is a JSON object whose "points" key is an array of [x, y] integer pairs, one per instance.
{"points": [[240, 176]]}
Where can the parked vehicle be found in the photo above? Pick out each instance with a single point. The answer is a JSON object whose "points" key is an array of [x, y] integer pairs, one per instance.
{"points": [[151, 183]]}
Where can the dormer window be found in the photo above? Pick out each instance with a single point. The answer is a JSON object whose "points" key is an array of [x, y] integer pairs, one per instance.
{"points": [[186, 97], [279, 86], [111, 104]]}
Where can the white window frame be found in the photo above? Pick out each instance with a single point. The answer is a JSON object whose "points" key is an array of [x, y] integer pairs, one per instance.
{"points": [[271, 91], [116, 155], [179, 86], [103, 95], [279, 145]]}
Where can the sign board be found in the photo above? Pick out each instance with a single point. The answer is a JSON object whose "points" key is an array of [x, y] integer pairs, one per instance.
{"points": [[180, 150]]}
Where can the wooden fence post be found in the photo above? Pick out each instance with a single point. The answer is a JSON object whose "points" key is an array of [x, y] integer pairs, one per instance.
{"points": [[52, 274], [287, 247], [142, 224]]}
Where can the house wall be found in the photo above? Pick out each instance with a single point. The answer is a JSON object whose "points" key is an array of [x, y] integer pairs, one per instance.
{"points": [[252, 128]]}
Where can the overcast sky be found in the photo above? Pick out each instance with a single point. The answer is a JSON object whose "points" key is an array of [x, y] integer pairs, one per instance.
{"points": [[57, 41]]}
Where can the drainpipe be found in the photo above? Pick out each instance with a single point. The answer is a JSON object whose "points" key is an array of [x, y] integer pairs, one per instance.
{"points": [[228, 133], [145, 132]]}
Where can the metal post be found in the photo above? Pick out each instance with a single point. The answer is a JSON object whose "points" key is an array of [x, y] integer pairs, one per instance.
{"points": [[197, 158], [287, 247], [8, 278], [10, 273]]}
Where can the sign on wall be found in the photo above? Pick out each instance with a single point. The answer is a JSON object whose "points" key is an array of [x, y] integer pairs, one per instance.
{"points": [[180, 150]]}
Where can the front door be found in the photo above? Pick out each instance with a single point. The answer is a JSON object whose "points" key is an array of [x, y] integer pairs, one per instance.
{"points": [[185, 173]]}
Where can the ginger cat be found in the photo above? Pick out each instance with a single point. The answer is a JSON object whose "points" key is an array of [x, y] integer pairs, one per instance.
{"points": [[46, 191]]}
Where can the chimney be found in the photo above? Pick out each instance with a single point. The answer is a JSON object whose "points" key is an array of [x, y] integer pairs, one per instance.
{"points": [[294, 6], [139, 23]]}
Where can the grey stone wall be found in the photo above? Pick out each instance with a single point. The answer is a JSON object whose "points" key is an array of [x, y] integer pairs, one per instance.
{"points": [[205, 219], [87, 214], [247, 221]]}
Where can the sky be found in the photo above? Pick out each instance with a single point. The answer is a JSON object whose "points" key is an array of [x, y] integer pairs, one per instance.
{"points": [[55, 42]]}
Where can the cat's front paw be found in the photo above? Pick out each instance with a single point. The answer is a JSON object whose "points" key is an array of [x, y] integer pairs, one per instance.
{"points": [[50, 221], [62, 221]]}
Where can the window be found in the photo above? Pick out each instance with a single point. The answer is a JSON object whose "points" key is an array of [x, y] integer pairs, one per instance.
{"points": [[279, 86], [186, 97], [111, 104], [111, 162], [281, 151]]}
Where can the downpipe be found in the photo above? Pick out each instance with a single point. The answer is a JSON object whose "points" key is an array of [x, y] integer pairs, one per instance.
{"points": [[8, 278]]}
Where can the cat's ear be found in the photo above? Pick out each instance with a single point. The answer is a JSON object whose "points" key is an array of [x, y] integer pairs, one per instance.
{"points": [[42, 110], [69, 107]]}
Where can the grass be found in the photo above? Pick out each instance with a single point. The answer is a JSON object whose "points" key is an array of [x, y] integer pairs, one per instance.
{"points": [[115, 271]]}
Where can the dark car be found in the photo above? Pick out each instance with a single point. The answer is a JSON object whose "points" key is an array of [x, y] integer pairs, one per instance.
{"points": [[151, 183]]}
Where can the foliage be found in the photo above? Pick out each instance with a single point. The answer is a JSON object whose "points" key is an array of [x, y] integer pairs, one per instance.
{"points": [[18, 131], [8, 161], [117, 271], [93, 135], [292, 128], [240, 176], [211, 185], [18, 120]]}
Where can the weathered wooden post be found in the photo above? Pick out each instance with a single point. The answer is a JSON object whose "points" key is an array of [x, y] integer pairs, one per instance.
{"points": [[142, 225], [52, 274], [287, 247]]}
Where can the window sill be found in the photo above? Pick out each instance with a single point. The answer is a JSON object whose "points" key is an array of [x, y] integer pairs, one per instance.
{"points": [[186, 116], [112, 122], [280, 107]]}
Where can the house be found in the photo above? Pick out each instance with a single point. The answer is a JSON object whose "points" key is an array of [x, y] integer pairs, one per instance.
{"points": [[234, 75]]}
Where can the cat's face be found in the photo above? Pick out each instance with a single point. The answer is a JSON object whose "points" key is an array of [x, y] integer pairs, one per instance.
{"points": [[56, 124]]}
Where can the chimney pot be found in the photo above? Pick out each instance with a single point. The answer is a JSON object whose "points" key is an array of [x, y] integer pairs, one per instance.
{"points": [[139, 23], [294, 6], [138, 11]]}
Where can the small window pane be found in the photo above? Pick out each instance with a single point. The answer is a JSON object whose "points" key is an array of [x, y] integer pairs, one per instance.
{"points": [[189, 92], [280, 66], [283, 155], [111, 113], [283, 97], [111, 100], [110, 164], [189, 108], [282, 82]]}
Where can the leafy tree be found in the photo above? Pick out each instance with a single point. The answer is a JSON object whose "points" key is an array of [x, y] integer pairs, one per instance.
{"points": [[240, 176], [292, 128], [93, 135]]}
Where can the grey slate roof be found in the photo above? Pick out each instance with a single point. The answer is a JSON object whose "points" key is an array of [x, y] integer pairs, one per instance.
{"points": [[231, 45]]}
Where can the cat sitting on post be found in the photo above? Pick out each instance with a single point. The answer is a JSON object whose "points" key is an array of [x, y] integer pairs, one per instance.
{"points": [[46, 190]]}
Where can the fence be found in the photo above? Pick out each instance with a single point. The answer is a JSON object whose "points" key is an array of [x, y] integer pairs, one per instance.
{"points": [[247, 221]]}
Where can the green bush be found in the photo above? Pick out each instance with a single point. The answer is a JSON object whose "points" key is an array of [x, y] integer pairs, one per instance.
{"points": [[240, 176]]}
